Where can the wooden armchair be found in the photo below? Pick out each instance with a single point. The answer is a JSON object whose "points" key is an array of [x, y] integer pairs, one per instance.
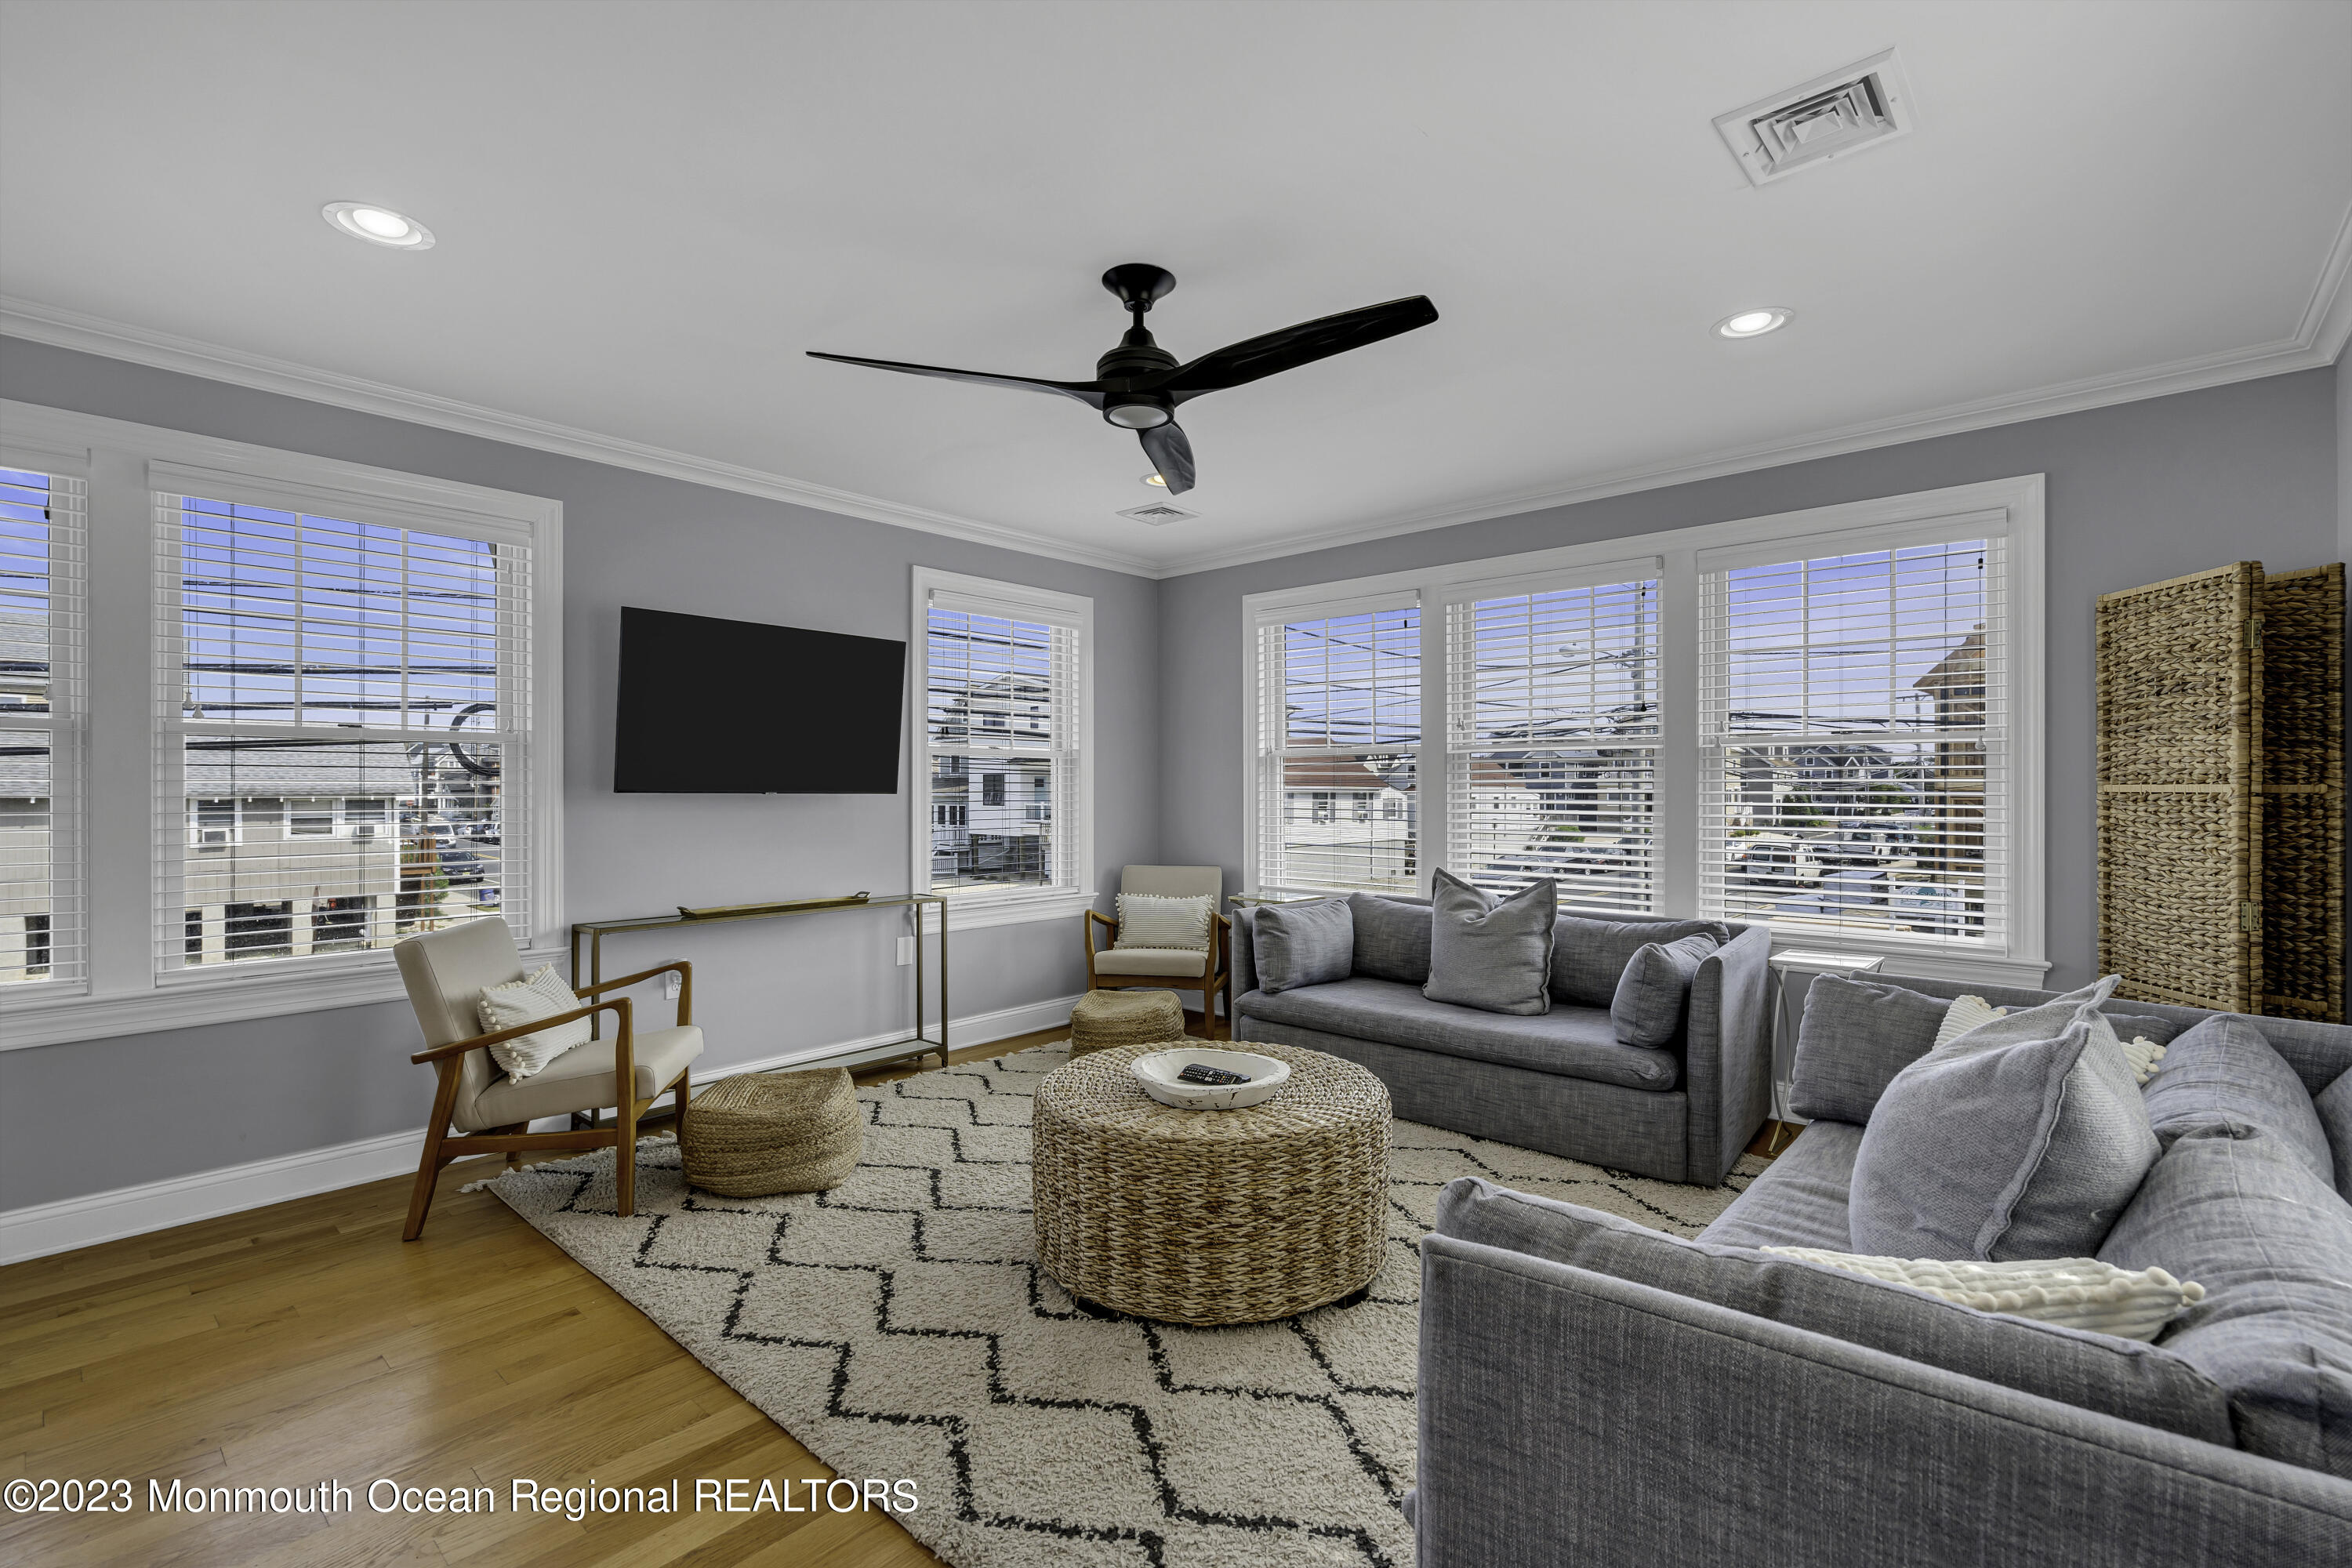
{"points": [[1110, 968], [447, 972]]}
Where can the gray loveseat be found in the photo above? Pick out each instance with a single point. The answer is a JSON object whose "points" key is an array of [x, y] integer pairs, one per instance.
{"points": [[1558, 1081], [1595, 1393]]}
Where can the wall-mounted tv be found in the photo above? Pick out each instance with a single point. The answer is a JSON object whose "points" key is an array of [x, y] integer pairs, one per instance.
{"points": [[713, 707]]}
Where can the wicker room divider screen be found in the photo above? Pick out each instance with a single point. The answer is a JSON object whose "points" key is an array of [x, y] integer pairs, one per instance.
{"points": [[2221, 781]]}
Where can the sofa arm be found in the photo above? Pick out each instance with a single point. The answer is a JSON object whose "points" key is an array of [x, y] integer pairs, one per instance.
{"points": [[1728, 1055], [1242, 955], [1568, 1418]]}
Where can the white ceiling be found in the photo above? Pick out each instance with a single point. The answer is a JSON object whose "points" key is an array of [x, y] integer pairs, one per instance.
{"points": [[646, 213]]}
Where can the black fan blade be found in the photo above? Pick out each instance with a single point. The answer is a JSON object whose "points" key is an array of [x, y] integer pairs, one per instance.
{"points": [[1086, 392], [1294, 346], [1170, 453]]}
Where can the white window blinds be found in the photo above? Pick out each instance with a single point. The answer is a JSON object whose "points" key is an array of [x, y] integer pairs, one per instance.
{"points": [[344, 716], [42, 570], [1552, 743], [1855, 757], [1004, 745], [1340, 743]]}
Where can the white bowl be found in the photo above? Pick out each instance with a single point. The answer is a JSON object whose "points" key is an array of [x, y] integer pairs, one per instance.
{"points": [[1157, 1074]]}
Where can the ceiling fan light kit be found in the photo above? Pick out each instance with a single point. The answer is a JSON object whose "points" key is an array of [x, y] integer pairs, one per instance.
{"points": [[1137, 384]]}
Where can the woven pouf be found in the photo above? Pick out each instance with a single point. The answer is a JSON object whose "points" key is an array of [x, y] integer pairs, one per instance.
{"points": [[1106, 1018], [1211, 1216], [760, 1132]]}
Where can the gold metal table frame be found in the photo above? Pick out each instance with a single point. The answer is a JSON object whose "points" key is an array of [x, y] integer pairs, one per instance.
{"points": [[595, 931]]}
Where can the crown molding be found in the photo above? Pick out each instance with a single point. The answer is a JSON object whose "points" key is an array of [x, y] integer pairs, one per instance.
{"points": [[165, 351], [2320, 334]]}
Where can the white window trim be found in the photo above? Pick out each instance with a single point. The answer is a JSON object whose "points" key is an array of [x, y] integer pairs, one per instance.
{"points": [[970, 910], [121, 992], [2019, 500]]}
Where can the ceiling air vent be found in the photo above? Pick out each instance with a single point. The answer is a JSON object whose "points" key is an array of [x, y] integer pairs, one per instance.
{"points": [[1158, 513], [1866, 104]]}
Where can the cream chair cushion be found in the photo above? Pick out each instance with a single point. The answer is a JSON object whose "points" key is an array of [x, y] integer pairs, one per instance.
{"points": [[447, 972], [581, 1079], [1188, 961]]}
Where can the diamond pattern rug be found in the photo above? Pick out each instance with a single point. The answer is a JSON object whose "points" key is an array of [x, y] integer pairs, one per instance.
{"points": [[899, 1326]]}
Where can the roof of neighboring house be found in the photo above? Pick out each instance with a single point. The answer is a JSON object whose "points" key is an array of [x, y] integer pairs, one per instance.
{"points": [[274, 772]]}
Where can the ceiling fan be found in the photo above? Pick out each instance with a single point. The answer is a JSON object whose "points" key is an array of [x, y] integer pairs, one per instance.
{"points": [[1137, 384]]}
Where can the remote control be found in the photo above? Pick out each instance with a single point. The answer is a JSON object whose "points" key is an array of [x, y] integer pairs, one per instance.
{"points": [[1196, 1072]]}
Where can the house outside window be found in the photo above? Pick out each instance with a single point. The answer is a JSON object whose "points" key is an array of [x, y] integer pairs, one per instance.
{"points": [[1003, 807]]}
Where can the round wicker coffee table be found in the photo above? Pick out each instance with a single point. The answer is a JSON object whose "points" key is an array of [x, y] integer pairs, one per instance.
{"points": [[1211, 1216]]}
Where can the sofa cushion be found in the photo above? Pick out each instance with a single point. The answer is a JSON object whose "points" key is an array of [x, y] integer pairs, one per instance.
{"points": [[1800, 1199], [2241, 1213], [1573, 1042], [1155, 920], [1588, 956], [2334, 1105], [1655, 991], [2118, 1377], [1304, 945], [1491, 954], [1391, 938], [1855, 1036], [2024, 1137], [2223, 1071]]}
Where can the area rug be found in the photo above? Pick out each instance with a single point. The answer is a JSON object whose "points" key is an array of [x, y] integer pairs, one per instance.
{"points": [[900, 1328]]}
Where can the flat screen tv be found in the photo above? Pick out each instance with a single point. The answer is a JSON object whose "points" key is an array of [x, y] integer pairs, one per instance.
{"points": [[713, 707]]}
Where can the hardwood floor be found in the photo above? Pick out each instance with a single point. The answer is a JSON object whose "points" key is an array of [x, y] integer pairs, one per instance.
{"points": [[303, 1342]]}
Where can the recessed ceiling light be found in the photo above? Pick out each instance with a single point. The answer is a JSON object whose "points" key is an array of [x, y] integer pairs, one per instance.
{"points": [[378, 225], [1754, 323], [1154, 480]]}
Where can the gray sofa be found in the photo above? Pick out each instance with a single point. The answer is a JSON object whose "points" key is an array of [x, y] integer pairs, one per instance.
{"points": [[1595, 1393], [1560, 1082]]}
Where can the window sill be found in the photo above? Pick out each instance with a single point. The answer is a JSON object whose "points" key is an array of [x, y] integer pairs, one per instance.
{"points": [[1019, 909], [27, 1021]]}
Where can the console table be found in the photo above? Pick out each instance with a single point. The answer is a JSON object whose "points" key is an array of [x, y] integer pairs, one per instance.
{"points": [[595, 931]]}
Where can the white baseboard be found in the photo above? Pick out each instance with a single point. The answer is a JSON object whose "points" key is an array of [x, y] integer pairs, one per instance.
{"points": [[45, 1228]]}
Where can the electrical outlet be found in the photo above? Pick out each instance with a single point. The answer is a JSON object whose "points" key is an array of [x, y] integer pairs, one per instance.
{"points": [[906, 950], [670, 984]]}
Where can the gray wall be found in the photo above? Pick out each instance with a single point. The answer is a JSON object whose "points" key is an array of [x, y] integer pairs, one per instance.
{"points": [[2137, 493], [99, 1114]]}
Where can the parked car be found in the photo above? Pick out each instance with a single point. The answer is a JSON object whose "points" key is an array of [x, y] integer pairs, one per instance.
{"points": [[1841, 896], [1776, 861]]}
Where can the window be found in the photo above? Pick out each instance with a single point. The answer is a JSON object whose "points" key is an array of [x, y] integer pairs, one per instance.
{"points": [[1002, 808], [1553, 705], [1827, 722], [348, 680], [1853, 732], [1338, 706], [314, 656], [41, 569]]}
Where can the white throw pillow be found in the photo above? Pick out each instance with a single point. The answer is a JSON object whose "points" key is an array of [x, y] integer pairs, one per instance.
{"points": [[1966, 1013], [538, 996], [1150, 920], [2073, 1292]]}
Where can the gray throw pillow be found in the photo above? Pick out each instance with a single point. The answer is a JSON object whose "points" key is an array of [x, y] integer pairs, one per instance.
{"points": [[2023, 1138], [2225, 1073], [2141, 1026], [1304, 945], [2236, 1210], [1588, 956], [1648, 1008], [1488, 954], [1391, 938], [1856, 1035], [2334, 1104]]}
